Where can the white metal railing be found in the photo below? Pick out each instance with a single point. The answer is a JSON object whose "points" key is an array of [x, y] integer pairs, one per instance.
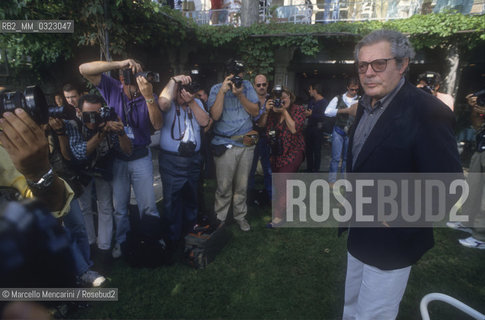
{"points": [[327, 11], [445, 298]]}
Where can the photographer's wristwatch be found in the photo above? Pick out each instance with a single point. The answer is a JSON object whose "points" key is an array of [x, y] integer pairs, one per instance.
{"points": [[44, 182]]}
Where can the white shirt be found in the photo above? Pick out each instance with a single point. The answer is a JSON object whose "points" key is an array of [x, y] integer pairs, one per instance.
{"points": [[331, 110], [446, 99]]}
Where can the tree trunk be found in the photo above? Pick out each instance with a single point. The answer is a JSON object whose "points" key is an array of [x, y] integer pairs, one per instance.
{"points": [[249, 12], [452, 77]]}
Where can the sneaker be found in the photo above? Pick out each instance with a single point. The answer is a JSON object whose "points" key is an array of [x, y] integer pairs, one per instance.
{"points": [[116, 253], [244, 225], [92, 278], [459, 226], [471, 242]]}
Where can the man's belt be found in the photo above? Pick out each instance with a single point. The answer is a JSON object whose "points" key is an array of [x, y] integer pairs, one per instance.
{"points": [[249, 139]]}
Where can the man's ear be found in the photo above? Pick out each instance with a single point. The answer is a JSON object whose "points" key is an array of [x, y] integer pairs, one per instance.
{"points": [[404, 66]]}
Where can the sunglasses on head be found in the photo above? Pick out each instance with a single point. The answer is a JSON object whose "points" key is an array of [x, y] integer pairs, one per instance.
{"points": [[261, 85]]}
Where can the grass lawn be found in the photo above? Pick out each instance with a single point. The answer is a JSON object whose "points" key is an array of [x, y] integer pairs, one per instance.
{"points": [[285, 273]]}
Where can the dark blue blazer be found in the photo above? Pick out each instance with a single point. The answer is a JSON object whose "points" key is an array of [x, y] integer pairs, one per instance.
{"points": [[414, 134]]}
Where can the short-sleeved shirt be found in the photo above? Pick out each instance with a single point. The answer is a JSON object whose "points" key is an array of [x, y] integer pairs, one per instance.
{"points": [[235, 120], [293, 144], [138, 119], [177, 122]]}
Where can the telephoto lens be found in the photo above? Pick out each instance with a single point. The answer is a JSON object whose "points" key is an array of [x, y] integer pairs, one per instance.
{"points": [[32, 101]]}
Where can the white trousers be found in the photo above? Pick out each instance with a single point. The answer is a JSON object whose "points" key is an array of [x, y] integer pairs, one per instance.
{"points": [[372, 293]]}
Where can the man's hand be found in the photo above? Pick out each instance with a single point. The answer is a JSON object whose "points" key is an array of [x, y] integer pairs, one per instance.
{"points": [[237, 91], [182, 79], [352, 110], [56, 124], [145, 87], [26, 144], [132, 64], [226, 85], [186, 96], [114, 126]]}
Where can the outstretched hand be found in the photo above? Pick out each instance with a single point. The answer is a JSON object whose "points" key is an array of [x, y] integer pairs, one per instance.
{"points": [[26, 143]]}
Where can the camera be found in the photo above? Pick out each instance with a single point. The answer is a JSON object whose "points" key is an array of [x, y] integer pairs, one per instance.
{"points": [[187, 149], [105, 114], [277, 92], [275, 143], [430, 79], [130, 79], [108, 114], [66, 112], [32, 101], [194, 85], [237, 81], [480, 97]]}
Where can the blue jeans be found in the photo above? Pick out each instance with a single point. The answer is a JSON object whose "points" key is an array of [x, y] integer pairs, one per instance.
{"points": [[74, 224], [138, 173], [180, 178], [339, 151], [261, 151]]}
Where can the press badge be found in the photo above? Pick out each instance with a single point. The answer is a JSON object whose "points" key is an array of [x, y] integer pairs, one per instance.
{"points": [[129, 132]]}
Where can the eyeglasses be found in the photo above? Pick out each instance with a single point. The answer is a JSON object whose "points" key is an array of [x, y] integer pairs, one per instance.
{"points": [[354, 89], [378, 65], [259, 85]]}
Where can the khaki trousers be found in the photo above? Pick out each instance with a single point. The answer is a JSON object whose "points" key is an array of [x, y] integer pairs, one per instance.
{"points": [[232, 171]]}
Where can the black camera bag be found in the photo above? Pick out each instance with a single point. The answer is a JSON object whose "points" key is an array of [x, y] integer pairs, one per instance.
{"points": [[218, 149], [204, 243]]}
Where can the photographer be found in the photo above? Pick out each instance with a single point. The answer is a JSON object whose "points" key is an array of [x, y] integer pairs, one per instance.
{"points": [[431, 82], [232, 105], [476, 179], [343, 108], [94, 147], [179, 158], [284, 126], [133, 100]]}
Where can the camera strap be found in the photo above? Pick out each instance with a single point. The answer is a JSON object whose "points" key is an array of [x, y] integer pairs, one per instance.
{"points": [[176, 116], [127, 119]]}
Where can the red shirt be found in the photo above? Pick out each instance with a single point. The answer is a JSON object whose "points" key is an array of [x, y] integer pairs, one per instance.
{"points": [[293, 144], [216, 4]]}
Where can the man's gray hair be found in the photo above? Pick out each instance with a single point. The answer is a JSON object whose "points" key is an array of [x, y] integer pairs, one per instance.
{"points": [[401, 48]]}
